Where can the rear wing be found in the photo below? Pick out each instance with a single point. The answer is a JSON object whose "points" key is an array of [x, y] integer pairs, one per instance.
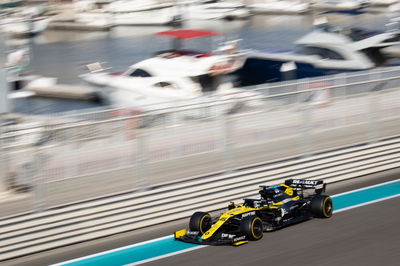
{"points": [[318, 185]]}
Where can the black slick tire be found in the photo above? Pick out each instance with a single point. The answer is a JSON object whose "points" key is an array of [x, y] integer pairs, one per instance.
{"points": [[322, 206], [252, 227], [200, 221]]}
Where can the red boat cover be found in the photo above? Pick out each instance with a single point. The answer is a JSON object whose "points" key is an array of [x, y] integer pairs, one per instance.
{"points": [[188, 34]]}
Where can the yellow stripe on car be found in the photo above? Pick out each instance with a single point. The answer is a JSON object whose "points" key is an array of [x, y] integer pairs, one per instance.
{"points": [[240, 243]]}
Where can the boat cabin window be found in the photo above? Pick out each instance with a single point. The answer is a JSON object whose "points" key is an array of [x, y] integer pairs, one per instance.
{"points": [[166, 85], [376, 56], [207, 83], [357, 34], [140, 73], [322, 52]]}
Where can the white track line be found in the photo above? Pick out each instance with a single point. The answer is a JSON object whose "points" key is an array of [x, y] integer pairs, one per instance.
{"points": [[166, 255], [113, 250]]}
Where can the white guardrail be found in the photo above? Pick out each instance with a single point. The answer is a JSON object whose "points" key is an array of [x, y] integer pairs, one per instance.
{"points": [[35, 232]]}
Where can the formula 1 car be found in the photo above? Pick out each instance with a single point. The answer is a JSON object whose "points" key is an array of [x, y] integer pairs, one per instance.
{"points": [[278, 206]]}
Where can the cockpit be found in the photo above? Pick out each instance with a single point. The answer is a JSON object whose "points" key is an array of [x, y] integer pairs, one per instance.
{"points": [[274, 194]]}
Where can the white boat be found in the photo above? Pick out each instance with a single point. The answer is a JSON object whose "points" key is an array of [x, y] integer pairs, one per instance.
{"points": [[84, 5], [21, 26], [121, 6], [325, 50], [280, 7], [340, 5], [218, 10], [174, 77], [394, 9], [382, 2], [165, 16], [126, 13]]}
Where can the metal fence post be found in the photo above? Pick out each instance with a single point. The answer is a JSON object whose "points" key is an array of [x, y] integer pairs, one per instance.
{"points": [[141, 159], [374, 106], [174, 124], [228, 131], [39, 183], [306, 135], [75, 152], [373, 117], [340, 80], [3, 168]]}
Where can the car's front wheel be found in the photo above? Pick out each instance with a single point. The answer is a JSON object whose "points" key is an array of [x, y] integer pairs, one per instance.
{"points": [[200, 221], [252, 227]]}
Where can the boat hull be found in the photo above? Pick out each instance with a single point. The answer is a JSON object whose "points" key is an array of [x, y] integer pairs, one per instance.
{"points": [[260, 70]]}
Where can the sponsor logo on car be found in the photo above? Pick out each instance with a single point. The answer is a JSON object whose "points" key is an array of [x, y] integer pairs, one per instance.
{"points": [[248, 214], [230, 236], [305, 182], [239, 238]]}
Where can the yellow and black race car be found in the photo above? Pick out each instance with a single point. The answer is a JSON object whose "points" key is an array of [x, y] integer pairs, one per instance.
{"points": [[278, 206]]}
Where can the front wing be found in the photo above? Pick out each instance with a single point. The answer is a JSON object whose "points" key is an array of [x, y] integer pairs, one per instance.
{"points": [[218, 239]]}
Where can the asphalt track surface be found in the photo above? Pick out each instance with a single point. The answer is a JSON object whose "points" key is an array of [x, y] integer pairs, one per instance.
{"points": [[368, 235]]}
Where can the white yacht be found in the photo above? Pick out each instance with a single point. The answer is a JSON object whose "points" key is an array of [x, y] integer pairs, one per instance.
{"points": [[325, 50], [382, 2], [126, 13], [280, 7], [23, 24], [218, 10], [123, 6], [174, 77], [120, 5], [340, 5], [166, 16]]}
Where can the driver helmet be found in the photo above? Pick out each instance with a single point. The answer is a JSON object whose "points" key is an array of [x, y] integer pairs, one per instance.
{"points": [[271, 193]]}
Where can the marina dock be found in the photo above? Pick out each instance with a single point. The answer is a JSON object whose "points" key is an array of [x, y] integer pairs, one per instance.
{"points": [[78, 26]]}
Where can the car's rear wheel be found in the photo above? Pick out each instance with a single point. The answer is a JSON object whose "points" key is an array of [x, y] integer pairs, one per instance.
{"points": [[322, 206], [200, 221], [252, 227]]}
